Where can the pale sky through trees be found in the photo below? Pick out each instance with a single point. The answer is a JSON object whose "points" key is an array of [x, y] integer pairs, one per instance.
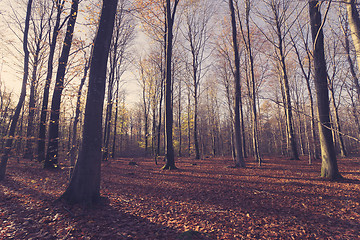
{"points": [[11, 58]]}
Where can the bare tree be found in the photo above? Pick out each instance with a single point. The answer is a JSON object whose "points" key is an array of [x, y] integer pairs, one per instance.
{"points": [[37, 46], [122, 38], [58, 5], [247, 40], [15, 117], [197, 33], [278, 23], [52, 155], [329, 168], [84, 186], [170, 18], [237, 124]]}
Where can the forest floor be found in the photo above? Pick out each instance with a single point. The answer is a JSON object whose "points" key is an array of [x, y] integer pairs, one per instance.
{"points": [[282, 199]]}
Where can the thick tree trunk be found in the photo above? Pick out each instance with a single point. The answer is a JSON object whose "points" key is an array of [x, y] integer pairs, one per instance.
{"points": [[329, 167], [15, 118], [237, 124], [84, 186], [51, 160]]}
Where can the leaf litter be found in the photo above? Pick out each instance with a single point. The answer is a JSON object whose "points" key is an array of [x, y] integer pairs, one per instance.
{"points": [[282, 199]]}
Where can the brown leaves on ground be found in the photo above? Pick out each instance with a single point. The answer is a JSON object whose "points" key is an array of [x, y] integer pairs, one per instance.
{"points": [[283, 199]]}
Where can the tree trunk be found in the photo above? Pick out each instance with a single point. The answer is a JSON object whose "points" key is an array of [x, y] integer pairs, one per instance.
{"points": [[196, 138], [329, 167], [43, 116], [338, 133], [84, 186], [15, 118], [284, 82], [29, 149], [170, 156], [252, 83], [354, 23], [189, 125], [237, 124], [74, 140], [179, 120], [51, 160], [349, 59], [113, 154]]}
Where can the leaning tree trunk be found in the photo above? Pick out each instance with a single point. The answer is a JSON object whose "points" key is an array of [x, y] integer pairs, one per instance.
{"points": [[15, 118], [237, 125], [52, 155], [84, 186], [329, 167]]}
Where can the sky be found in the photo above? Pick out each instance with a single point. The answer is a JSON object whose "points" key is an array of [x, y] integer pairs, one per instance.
{"points": [[11, 69]]}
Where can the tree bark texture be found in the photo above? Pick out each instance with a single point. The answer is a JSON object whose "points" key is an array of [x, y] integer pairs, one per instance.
{"points": [[329, 168], [84, 186], [237, 124], [170, 155]]}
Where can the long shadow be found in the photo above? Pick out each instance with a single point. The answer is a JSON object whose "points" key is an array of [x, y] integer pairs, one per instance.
{"points": [[109, 222], [56, 220], [260, 207]]}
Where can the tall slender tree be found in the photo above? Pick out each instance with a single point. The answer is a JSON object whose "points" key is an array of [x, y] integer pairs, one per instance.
{"points": [[246, 36], [279, 24], [39, 23], [197, 33], [59, 5], [15, 117], [239, 162], [170, 18], [52, 155]]}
